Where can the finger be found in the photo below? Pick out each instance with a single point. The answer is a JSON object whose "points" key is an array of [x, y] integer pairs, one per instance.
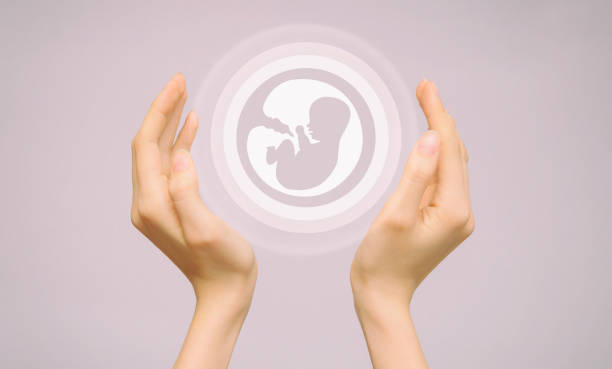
{"points": [[167, 137], [465, 156], [183, 187], [133, 214], [149, 166], [464, 152], [188, 132], [134, 173], [450, 191], [428, 195], [162, 109], [429, 99], [418, 173], [169, 133]]}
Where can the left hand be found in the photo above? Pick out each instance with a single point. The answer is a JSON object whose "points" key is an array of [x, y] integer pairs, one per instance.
{"points": [[168, 210]]}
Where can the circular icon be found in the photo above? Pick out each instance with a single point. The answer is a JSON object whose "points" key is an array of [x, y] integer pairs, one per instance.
{"points": [[305, 138]]}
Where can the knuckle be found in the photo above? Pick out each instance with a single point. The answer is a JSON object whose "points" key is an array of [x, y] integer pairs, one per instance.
{"points": [[206, 236], [183, 189], [442, 116], [203, 238], [148, 210], [135, 218], [458, 217], [178, 185], [395, 222], [469, 226], [419, 175], [136, 142]]}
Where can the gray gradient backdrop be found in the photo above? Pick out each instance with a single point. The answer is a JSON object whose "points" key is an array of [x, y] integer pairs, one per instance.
{"points": [[529, 86]]}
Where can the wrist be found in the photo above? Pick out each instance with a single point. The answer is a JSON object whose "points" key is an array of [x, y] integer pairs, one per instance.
{"points": [[224, 311], [389, 332], [376, 305], [375, 291], [220, 311], [230, 296]]}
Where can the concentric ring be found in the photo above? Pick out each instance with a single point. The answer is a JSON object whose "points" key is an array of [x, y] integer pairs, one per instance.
{"points": [[298, 223]]}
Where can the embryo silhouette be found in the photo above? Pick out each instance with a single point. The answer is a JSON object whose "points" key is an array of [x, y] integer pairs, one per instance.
{"points": [[313, 162]]}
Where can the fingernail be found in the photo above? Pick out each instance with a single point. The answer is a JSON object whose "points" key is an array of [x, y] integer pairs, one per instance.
{"points": [[429, 143], [180, 162]]}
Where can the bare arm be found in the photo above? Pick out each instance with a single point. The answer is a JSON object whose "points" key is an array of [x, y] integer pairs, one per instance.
{"points": [[426, 218], [167, 209]]}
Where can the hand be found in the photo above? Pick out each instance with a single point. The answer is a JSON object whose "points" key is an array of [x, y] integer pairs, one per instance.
{"points": [[167, 209], [425, 218], [303, 141]]}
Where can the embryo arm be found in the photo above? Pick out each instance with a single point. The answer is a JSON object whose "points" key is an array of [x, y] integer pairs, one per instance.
{"points": [[302, 139]]}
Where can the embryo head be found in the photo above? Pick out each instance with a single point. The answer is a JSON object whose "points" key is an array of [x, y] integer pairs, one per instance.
{"points": [[328, 118]]}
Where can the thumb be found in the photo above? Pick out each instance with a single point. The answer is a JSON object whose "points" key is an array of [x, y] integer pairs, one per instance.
{"points": [[183, 188], [419, 171]]}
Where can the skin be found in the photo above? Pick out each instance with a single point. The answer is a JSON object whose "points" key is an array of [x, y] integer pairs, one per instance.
{"points": [[167, 209], [427, 216]]}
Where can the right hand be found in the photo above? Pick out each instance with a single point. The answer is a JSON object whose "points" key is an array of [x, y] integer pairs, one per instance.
{"points": [[427, 216], [167, 208]]}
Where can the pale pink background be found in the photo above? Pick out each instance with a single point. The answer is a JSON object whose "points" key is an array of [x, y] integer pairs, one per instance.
{"points": [[529, 86]]}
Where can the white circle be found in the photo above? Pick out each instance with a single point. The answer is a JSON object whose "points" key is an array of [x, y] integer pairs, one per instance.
{"points": [[380, 148], [290, 103]]}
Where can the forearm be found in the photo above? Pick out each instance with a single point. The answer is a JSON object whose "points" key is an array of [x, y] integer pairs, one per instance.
{"points": [[212, 334], [390, 335]]}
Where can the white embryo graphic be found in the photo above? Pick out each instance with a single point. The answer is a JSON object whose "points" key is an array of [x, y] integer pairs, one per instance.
{"points": [[320, 136]]}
